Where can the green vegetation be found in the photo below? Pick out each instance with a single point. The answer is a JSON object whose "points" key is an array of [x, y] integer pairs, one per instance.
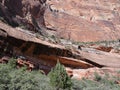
{"points": [[12, 78], [22, 26], [98, 42], [53, 39], [105, 82], [59, 78], [3, 20], [21, 79]]}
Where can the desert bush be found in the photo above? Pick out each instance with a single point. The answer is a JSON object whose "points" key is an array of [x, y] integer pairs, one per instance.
{"points": [[12, 63], [99, 83], [4, 76], [12, 78], [21, 79], [24, 80], [59, 78], [97, 77]]}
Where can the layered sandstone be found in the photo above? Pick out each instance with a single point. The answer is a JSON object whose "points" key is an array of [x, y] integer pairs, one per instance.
{"points": [[84, 20], [44, 54], [78, 20]]}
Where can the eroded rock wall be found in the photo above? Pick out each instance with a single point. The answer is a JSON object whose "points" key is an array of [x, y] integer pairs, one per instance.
{"points": [[26, 12], [84, 20], [78, 20]]}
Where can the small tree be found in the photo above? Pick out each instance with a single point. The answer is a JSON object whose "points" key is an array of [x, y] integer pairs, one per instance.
{"points": [[12, 63], [59, 78]]}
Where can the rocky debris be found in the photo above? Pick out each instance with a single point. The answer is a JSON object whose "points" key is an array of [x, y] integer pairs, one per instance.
{"points": [[22, 63], [19, 62]]}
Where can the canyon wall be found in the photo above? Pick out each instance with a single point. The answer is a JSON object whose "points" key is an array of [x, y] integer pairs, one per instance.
{"points": [[84, 20], [78, 20]]}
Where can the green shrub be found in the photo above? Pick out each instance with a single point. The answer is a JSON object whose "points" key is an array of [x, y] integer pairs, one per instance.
{"points": [[25, 80], [59, 78], [20, 79], [99, 83], [4, 76], [97, 77], [12, 63]]}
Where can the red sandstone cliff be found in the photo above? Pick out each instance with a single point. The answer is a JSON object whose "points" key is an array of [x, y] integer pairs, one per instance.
{"points": [[78, 20], [84, 20]]}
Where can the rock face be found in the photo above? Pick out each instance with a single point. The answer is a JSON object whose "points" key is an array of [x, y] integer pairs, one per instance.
{"points": [[27, 8], [90, 73], [26, 11], [78, 20], [84, 20], [8, 17], [44, 55]]}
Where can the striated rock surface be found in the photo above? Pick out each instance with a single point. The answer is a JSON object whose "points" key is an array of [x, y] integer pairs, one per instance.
{"points": [[84, 20], [44, 55], [78, 20], [29, 13]]}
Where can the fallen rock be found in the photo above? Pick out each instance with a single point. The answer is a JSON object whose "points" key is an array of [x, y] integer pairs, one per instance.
{"points": [[21, 63]]}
